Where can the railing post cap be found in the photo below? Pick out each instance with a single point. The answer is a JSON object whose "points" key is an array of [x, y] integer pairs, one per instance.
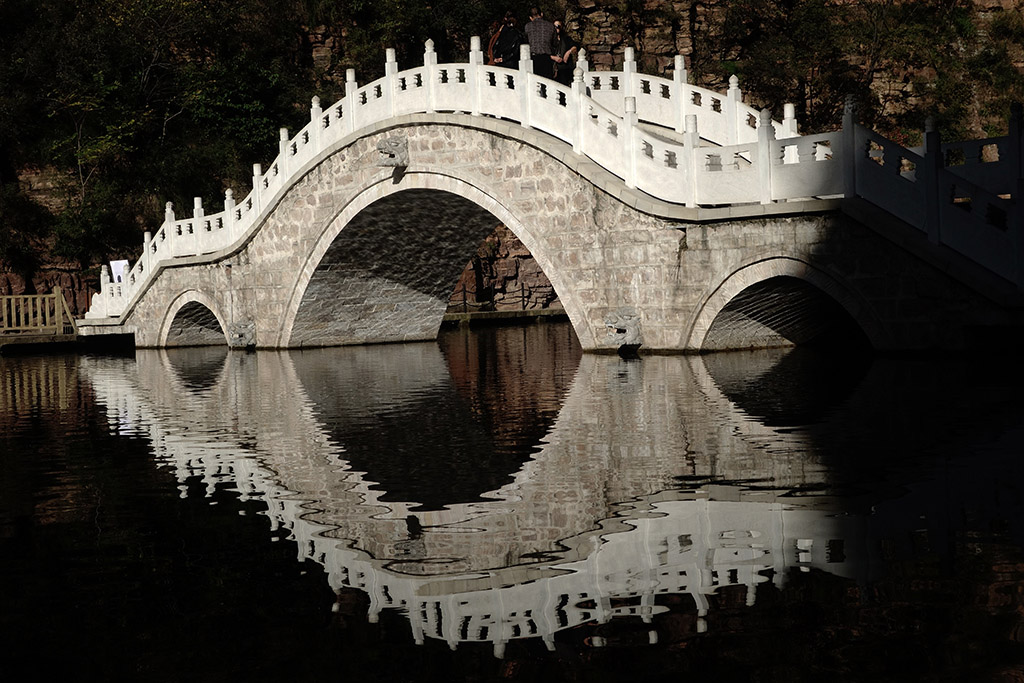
{"points": [[350, 75], [474, 43], [765, 116], [734, 82], [197, 202], [257, 169], [284, 134], [929, 125], [789, 110], [429, 45], [315, 102], [629, 55], [229, 194], [390, 54], [577, 74], [524, 51]]}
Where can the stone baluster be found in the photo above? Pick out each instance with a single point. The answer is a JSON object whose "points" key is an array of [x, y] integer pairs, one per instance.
{"points": [[691, 145], [350, 106], [316, 124], [390, 79], [147, 243], [731, 109], [850, 156], [474, 74], [283, 153], [629, 132], [430, 75], [629, 79], [98, 303], [170, 235], [525, 85], [789, 130], [1015, 159], [580, 107], [930, 175], [257, 190], [680, 81], [229, 214], [765, 138], [197, 224], [582, 64]]}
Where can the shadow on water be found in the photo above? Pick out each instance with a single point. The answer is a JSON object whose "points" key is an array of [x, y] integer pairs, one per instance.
{"points": [[198, 368], [441, 424], [505, 496]]}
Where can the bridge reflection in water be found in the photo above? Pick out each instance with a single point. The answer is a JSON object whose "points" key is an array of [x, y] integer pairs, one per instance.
{"points": [[588, 523]]}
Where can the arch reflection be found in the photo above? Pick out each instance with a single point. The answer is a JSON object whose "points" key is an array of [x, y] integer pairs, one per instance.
{"points": [[592, 527]]}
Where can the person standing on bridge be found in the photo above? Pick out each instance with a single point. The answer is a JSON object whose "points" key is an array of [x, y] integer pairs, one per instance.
{"points": [[565, 58], [543, 43], [504, 45]]}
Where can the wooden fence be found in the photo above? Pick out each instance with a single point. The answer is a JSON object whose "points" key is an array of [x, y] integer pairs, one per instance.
{"points": [[36, 314]]}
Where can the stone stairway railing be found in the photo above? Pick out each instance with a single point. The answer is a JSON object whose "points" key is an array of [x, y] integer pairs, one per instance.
{"points": [[676, 142]]}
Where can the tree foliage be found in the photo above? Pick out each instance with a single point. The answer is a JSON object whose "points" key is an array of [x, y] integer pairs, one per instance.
{"points": [[130, 103]]}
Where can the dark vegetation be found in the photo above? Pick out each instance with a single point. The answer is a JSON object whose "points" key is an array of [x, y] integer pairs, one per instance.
{"points": [[108, 108]]}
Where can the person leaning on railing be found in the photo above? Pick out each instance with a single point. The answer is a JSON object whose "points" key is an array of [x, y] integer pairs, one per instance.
{"points": [[503, 48], [543, 44], [565, 57]]}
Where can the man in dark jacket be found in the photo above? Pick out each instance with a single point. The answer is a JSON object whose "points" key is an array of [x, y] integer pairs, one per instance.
{"points": [[543, 43], [505, 47]]}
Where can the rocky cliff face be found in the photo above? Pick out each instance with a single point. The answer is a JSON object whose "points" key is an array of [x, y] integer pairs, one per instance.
{"points": [[502, 276]]}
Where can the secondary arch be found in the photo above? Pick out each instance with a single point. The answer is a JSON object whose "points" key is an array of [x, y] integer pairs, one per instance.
{"points": [[193, 320], [782, 302]]}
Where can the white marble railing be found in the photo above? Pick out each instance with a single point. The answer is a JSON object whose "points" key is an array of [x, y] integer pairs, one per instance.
{"points": [[676, 142]]}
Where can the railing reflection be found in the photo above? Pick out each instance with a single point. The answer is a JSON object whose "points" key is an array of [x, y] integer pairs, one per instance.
{"points": [[592, 527]]}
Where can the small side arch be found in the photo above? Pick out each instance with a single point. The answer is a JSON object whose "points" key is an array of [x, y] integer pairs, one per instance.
{"points": [[193, 319], [784, 267]]}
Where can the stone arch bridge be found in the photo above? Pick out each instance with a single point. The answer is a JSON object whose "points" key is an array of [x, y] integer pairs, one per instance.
{"points": [[664, 214]]}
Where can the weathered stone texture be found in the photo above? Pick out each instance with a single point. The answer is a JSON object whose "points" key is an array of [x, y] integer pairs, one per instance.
{"points": [[357, 254]]}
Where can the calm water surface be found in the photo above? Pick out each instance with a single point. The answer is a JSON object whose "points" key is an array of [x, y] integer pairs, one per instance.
{"points": [[497, 506]]}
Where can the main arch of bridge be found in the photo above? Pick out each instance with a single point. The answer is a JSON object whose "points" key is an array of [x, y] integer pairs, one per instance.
{"points": [[356, 253]]}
